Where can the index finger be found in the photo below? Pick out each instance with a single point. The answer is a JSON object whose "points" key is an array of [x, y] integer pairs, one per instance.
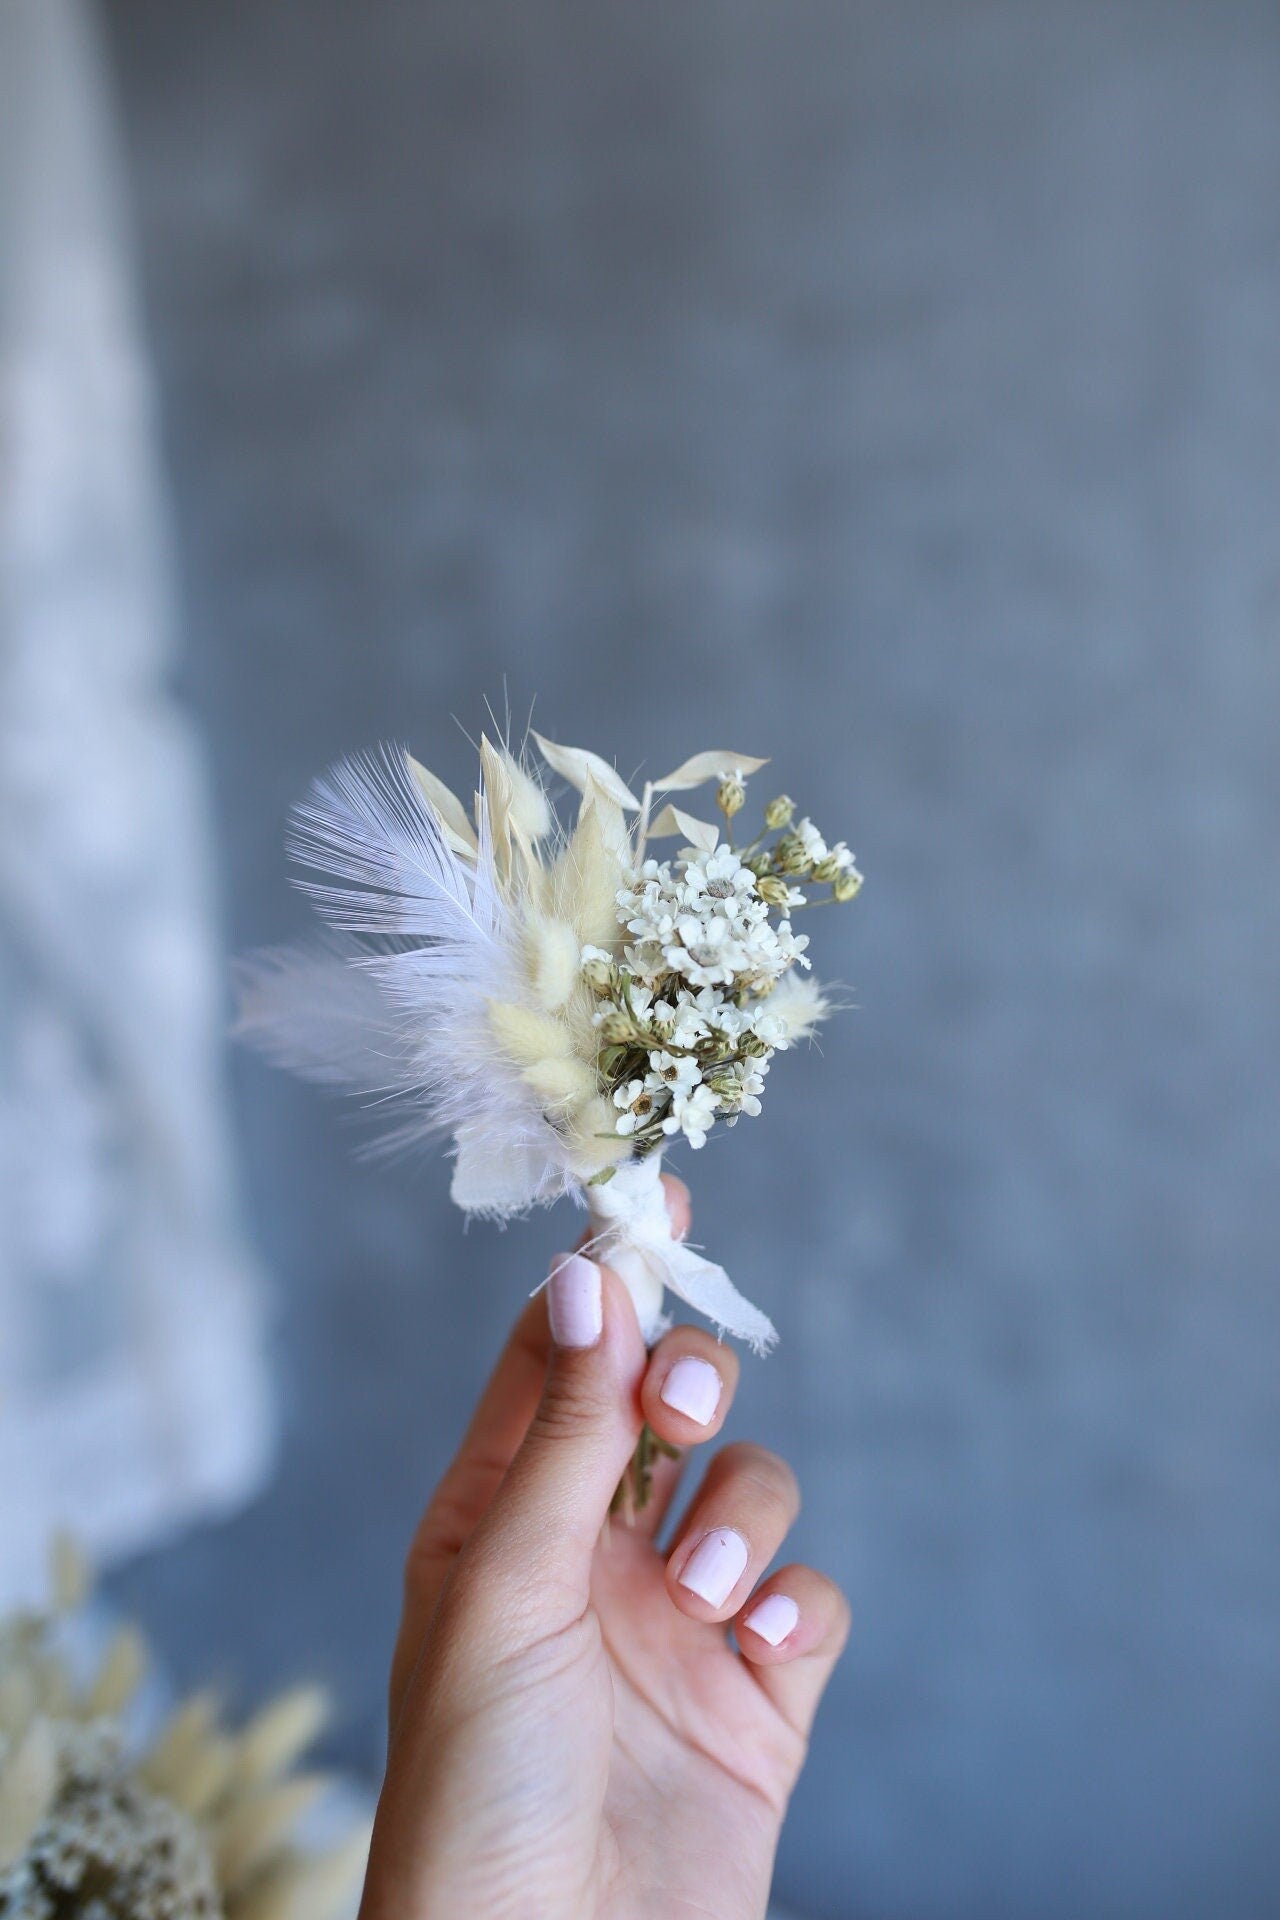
{"points": [[492, 1439]]}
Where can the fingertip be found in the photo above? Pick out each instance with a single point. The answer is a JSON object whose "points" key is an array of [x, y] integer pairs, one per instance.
{"points": [[689, 1386], [796, 1611]]}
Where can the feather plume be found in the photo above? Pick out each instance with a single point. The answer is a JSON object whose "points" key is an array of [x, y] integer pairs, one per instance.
{"points": [[437, 990]]}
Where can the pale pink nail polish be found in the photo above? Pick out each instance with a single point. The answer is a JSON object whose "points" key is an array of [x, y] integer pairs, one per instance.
{"points": [[574, 1304], [715, 1566], [774, 1618], [693, 1388]]}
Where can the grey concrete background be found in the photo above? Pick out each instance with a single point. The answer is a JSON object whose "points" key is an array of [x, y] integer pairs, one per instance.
{"points": [[895, 389]]}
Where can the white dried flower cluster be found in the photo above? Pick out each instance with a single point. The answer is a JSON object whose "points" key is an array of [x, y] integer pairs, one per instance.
{"points": [[108, 1847], [691, 1008], [702, 918], [199, 1827], [558, 1000]]}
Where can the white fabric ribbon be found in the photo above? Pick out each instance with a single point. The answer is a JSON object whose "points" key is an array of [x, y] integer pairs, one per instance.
{"points": [[631, 1232]]}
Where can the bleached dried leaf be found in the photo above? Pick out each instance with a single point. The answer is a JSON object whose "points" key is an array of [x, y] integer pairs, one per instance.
{"points": [[495, 786], [588, 874], [716, 764], [448, 809], [697, 833], [530, 812], [578, 765], [28, 1783]]}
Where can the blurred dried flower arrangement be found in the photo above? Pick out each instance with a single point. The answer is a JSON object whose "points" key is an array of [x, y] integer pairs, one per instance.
{"points": [[201, 1823]]}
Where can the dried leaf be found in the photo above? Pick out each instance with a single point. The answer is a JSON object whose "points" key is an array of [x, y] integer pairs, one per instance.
{"points": [[698, 833], [448, 809], [589, 872], [577, 765], [715, 765]]}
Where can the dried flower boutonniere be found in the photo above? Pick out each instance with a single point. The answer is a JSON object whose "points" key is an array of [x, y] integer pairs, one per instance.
{"points": [[559, 1000]]}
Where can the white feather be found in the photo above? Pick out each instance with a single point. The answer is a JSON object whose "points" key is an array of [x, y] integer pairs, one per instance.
{"points": [[395, 1006]]}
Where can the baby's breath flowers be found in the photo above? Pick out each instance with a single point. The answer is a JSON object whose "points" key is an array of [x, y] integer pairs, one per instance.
{"points": [[565, 1002], [200, 1826], [686, 1013]]}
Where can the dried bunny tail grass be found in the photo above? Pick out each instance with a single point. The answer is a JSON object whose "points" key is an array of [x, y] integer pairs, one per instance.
{"points": [[178, 1750], [526, 1035], [592, 1139], [70, 1574], [561, 1084], [207, 1821], [304, 1888], [28, 1784], [553, 958], [589, 871], [200, 1787], [801, 1003], [254, 1830], [122, 1672], [280, 1734]]}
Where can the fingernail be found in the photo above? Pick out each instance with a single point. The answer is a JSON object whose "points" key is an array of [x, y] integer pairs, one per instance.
{"points": [[574, 1304], [693, 1388], [774, 1618], [715, 1566]]}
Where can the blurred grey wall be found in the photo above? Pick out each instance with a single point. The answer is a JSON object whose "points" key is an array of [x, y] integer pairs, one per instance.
{"points": [[894, 389]]}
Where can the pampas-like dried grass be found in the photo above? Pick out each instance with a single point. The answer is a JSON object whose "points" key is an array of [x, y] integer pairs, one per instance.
{"points": [[200, 1827]]}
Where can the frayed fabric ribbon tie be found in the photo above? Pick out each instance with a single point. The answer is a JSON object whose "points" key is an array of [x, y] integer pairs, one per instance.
{"points": [[631, 1232]]}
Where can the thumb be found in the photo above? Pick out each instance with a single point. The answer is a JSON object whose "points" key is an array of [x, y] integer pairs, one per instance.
{"points": [[536, 1543]]}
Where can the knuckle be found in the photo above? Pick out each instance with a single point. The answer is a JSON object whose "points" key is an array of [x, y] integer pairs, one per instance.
{"points": [[570, 1402], [765, 1474]]}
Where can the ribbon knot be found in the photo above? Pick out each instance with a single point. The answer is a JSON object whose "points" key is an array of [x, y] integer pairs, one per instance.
{"points": [[631, 1232]]}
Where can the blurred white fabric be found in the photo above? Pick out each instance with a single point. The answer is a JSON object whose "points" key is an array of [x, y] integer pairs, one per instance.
{"points": [[133, 1391]]}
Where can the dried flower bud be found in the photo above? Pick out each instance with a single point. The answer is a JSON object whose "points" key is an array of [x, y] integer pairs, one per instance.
{"points": [[828, 870], [778, 812], [789, 856], [618, 1028], [731, 796], [754, 1047], [773, 890], [847, 885], [602, 975]]}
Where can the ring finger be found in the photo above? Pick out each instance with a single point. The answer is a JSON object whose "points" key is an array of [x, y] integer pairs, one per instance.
{"points": [[739, 1518]]}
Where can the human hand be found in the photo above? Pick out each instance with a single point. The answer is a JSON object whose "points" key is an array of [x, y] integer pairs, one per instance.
{"points": [[573, 1735]]}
